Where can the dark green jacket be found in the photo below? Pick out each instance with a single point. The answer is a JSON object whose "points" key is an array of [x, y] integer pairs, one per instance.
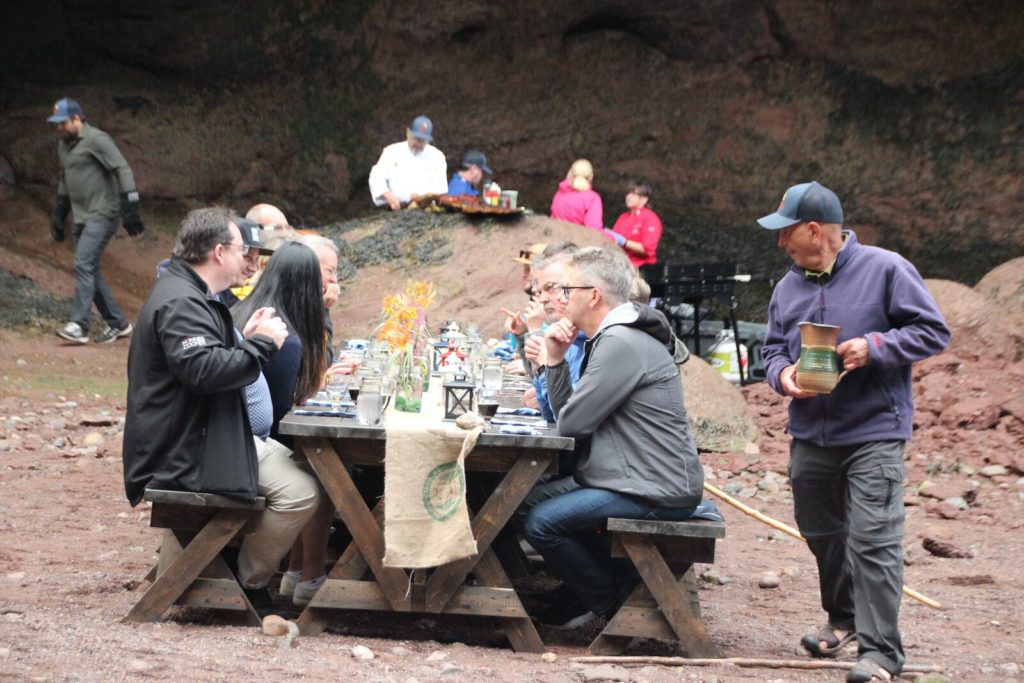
{"points": [[91, 168]]}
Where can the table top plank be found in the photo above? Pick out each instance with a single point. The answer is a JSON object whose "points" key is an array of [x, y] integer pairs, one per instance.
{"points": [[349, 429]]}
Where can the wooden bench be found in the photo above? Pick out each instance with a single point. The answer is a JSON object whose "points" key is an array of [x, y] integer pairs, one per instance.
{"points": [[665, 605], [191, 570]]}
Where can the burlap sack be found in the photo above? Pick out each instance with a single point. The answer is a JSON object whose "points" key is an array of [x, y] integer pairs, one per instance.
{"points": [[426, 522]]}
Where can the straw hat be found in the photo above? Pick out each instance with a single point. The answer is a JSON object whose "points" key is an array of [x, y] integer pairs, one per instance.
{"points": [[527, 255]]}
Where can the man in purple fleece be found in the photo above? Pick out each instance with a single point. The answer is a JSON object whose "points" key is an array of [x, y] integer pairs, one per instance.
{"points": [[846, 457]]}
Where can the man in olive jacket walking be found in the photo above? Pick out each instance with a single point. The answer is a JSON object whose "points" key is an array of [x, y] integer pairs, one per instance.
{"points": [[92, 170]]}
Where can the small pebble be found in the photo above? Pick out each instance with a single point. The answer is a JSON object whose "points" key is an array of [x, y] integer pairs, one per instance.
{"points": [[273, 625], [549, 657], [362, 653], [437, 656], [769, 580]]}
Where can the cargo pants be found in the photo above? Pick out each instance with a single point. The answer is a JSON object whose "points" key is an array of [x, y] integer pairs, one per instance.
{"points": [[849, 506]]}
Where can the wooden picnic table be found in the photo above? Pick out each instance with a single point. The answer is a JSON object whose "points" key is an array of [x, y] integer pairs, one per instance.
{"points": [[359, 579]]}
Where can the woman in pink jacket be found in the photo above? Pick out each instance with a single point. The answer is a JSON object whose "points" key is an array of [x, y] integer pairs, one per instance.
{"points": [[575, 201]]}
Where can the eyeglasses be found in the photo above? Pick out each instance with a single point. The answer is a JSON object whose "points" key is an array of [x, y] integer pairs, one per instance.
{"points": [[332, 271], [243, 248], [560, 290]]}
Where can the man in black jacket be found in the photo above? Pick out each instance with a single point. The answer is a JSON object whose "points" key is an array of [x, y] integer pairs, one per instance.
{"points": [[187, 427]]}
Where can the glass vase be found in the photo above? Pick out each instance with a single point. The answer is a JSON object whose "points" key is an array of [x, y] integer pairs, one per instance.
{"points": [[409, 394]]}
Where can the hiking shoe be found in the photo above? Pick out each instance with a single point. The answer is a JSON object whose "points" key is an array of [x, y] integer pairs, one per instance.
{"points": [[566, 615], [109, 334], [73, 332]]}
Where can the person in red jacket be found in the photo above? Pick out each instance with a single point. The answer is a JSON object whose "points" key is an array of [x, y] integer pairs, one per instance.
{"points": [[638, 230]]}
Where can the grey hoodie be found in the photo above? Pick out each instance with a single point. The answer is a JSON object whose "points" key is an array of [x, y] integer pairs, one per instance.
{"points": [[629, 402]]}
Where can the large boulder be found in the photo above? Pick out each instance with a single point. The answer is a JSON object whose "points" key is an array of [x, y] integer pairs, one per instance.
{"points": [[718, 412], [979, 329], [1004, 287]]}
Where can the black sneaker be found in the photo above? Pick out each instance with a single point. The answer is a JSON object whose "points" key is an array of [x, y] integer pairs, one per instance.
{"points": [[109, 334], [73, 332], [566, 615], [263, 603]]}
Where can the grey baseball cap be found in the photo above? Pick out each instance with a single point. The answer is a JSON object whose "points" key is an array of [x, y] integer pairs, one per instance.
{"points": [[252, 235], [805, 202]]}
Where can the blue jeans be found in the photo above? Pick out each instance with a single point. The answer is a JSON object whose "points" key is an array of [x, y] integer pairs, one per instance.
{"points": [[565, 531], [90, 240]]}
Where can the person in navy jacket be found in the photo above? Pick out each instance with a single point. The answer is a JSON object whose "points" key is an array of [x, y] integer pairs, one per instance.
{"points": [[846, 456]]}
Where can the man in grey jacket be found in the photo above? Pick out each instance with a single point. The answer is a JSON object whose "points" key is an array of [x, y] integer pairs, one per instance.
{"points": [[637, 456]]}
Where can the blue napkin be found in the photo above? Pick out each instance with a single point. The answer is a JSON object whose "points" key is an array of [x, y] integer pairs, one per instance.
{"points": [[529, 412], [322, 413], [318, 403], [518, 429], [498, 420]]}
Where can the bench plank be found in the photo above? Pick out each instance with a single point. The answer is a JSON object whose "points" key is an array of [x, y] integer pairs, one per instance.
{"points": [[209, 500], [693, 528]]}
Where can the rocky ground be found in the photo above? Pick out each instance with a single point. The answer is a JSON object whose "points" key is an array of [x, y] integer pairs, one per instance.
{"points": [[73, 553]]}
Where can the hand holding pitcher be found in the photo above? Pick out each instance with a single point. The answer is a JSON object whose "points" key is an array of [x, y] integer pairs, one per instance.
{"points": [[818, 370]]}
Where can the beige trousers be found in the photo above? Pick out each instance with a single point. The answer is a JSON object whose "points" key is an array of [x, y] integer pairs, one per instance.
{"points": [[292, 495]]}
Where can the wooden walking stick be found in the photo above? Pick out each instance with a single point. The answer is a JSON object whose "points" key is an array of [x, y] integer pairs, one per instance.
{"points": [[742, 662], [786, 529]]}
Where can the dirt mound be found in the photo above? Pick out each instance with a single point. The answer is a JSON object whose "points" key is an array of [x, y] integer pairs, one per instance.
{"points": [[1004, 287], [717, 410], [468, 259], [979, 331]]}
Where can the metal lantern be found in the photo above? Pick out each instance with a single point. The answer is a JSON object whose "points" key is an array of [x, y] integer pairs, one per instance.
{"points": [[458, 396]]}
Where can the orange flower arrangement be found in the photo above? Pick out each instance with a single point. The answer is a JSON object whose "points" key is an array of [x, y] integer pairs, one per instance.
{"points": [[403, 327], [404, 317]]}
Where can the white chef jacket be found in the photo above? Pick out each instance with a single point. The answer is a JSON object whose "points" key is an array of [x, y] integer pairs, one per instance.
{"points": [[406, 174]]}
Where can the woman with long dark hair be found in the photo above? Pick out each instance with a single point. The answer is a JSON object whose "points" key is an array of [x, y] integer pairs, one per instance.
{"points": [[291, 285]]}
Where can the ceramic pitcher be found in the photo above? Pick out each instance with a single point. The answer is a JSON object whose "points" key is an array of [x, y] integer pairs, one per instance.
{"points": [[818, 367]]}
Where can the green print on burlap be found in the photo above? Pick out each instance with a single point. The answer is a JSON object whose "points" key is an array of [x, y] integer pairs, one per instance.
{"points": [[443, 490]]}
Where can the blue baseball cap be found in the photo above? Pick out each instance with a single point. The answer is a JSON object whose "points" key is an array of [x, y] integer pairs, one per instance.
{"points": [[805, 202], [475, 157], [422, 128], [65, 109]]}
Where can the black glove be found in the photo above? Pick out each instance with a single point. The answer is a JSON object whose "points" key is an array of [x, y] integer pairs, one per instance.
{"points": [[130, 213], [60, 212]]}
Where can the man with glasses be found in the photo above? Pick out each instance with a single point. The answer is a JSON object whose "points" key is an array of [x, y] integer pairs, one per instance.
{"points": [[409, 169], [549, 272], [637, 457], [846, 457], [327, 253], [187, 426]]}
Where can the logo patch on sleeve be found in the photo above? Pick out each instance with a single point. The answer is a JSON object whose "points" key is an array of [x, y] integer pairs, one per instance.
{"points": [[877, 339], [193, 342]]}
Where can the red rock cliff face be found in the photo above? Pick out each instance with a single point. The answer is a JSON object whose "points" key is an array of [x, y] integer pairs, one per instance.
{"points": [[911, 111]]}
